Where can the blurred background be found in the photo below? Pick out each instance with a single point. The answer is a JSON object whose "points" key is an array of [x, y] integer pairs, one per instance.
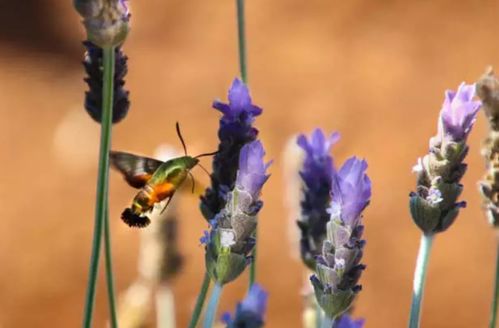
{"points": [[373, 70]]}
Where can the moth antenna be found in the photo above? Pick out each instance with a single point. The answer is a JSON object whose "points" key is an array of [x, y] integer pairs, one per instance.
{"points": [[201, 166], [193, 182], [207, 154], [177, 126]]}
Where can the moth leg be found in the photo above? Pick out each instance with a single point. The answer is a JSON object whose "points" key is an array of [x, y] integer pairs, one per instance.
{"points": [[167, 203], [193, 182]]}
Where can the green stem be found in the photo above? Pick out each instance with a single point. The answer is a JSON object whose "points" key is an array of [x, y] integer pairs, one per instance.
{"points": [[242, 40], [200, 301], [102, 182], [319, 315], [419, 280], [241, 33], [495, 300], [327, 322], [211, 311], [109, 271], [252, 273]]}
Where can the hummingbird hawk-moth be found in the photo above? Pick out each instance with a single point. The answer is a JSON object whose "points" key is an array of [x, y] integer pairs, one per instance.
{"points": [[157, 180]]}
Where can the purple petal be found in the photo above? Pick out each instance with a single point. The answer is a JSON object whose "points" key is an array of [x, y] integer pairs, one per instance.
{"points": [[458, 113], [255, 301], [239, 107], [239, 97], [318, 163], [351, 190], [345, 321], [252, 169]]}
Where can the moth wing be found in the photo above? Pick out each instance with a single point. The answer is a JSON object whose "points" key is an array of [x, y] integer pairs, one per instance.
{"points": [[137, 170]]}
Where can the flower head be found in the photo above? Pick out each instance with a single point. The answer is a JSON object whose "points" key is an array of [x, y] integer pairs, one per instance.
{"points": [[317, 176], [251, 311], [458, 112], [231, 238], [434, 205], [235, 131], [240, 108], [318, 164], [106, 21], [338, 267]]}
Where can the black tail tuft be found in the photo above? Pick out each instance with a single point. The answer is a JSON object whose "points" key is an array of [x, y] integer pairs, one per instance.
{"points": [[134, 220]]}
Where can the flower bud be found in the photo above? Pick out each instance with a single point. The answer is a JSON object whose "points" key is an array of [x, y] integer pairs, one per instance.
{"points": [[106, 21]]}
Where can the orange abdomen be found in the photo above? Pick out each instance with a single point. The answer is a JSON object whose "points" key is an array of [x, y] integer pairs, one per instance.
{"points": [[149, 195]]}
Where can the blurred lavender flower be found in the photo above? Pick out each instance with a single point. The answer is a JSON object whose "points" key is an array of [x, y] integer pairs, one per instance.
{"points": [[488, 91], [106, 21], [338, 267], [231, 237], [345, 321], [93, 98], [433, 205], [250, 313], [317, 175], [235, 131]]}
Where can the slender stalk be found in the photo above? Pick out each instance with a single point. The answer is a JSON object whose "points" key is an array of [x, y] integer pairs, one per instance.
{"points": [[327, 322], [319, 316], [102, 182], [241, 33], [211, 311], [252, 273], [165, 307], [109, 271], [495, 300], [242, 40], [419, 279], [200, 301]]}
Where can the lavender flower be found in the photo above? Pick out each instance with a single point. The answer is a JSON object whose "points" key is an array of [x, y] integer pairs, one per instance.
{"points": [[250, 313], [316, 174], [235, 131], [338, 267], [93, 97], [345, 321], [231, 237], [106, 21], [488, 91], [434, 205]]}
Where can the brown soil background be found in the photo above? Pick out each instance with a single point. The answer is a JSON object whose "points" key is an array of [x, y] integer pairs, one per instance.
{"points": [[373, 70]]}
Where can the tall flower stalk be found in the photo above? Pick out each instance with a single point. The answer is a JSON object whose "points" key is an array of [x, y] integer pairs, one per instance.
{"points": [[231, 238], [317, 177], [488, 91], [338, 268], [434, 205], [102, 187], [235, 132], [107, 24], [243, 68]]}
